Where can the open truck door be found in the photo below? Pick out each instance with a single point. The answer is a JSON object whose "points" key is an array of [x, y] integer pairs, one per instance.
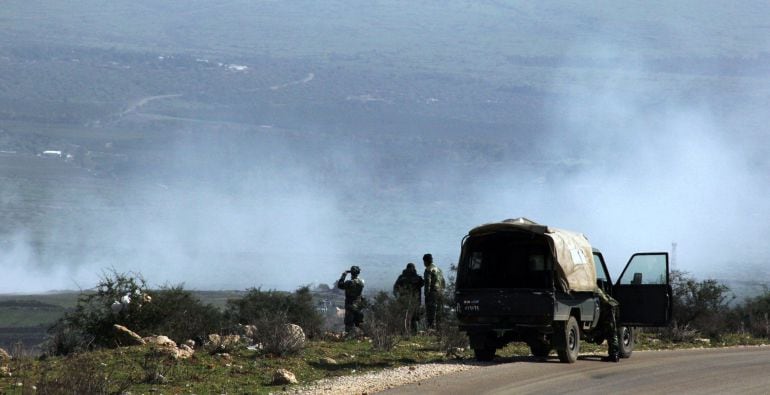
{"points": [[644, 291]]}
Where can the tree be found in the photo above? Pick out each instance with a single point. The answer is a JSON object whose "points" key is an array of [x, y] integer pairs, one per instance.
{"points": [[700, 305]]}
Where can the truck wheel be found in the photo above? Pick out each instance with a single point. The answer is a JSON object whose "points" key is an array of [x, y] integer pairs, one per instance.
{"points": [[569, 342], [540, 349], [625, 341], [484, 354]]}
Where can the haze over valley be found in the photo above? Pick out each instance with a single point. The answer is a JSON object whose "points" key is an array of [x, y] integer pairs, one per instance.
{"points": [[236, 144]]}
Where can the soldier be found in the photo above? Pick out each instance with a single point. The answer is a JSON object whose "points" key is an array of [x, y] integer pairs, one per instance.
{"points": [[609, 308], [354, 287], [407, 290], [434, 290]]}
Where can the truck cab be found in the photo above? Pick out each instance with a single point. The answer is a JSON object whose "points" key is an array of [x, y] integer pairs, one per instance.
{"points": [[521, 281]]}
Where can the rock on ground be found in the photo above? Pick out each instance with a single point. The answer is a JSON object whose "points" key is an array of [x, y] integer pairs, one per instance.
{"points": [[162, 341], [126, 336], [283, 376], [4, 356], [296, 335]]}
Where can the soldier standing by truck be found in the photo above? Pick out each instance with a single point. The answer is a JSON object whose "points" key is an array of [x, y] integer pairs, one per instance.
{"points": [[609, 307], [434, 291], [408, 290], [354, 288]]}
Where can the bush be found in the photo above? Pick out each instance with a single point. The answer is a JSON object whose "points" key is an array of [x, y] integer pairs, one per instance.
{"points": [[179, 315], [701, 306], [157, 366], [448, 332], [90, 324], [385, 319], [87, 374], [172, 311], [276, 338], [754, 315], [679, 333], [258, 305], [449, 335]]}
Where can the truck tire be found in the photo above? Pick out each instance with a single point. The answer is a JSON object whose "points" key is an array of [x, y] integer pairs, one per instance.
{"points": [[625, 341], [484, 354], [568, 335]]}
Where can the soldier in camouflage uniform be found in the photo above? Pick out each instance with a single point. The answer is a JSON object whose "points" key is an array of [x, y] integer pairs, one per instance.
{"points": [[408, 291], [609, 307], [354, 287], [434, 291]]}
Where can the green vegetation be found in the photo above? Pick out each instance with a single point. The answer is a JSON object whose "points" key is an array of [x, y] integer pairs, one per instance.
{"points": [[25, 313], [123, 299], [83, 356], [297, 308], [705, 309], [114, 370]]}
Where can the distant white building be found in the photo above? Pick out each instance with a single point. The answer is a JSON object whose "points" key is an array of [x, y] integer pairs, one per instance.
{"points": [[237, 67], [52, 153]]}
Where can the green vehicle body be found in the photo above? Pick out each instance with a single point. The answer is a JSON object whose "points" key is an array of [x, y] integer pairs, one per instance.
{"points": [[519, 281]]}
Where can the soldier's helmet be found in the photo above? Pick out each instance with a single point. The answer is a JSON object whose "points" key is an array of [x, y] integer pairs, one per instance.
{"points": [[410, 267], [355, 269], [428, 258]]}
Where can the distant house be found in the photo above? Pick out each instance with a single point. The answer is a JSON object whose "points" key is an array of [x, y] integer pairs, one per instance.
{"points": [[52, 153]]}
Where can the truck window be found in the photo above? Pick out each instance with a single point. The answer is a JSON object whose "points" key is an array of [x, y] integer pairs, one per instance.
{"points": [[600, 275], [508, 260], [645, 269]]}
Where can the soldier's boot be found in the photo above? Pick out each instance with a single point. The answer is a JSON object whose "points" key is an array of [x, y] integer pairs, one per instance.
{"points": [[613, 349], [613, 355], [611, 358]]}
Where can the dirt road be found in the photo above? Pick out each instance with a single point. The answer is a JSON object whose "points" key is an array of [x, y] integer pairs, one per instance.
{"points": [[741, 370], [141, 102]]}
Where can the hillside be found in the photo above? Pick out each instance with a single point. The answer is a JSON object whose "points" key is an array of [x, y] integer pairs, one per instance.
{"points": [[236, 144]]}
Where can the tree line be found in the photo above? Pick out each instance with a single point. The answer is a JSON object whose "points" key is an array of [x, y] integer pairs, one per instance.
{"points": [[701, 309]]}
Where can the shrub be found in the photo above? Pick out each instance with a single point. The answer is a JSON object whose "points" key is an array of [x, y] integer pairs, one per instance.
{"points": [[275, 337], [87, 374], [754, 315], [702, 306], [157, 366], [296, 307], [90, 324], [679, 333], [449, 335], [178, 314], [448, 332], [173, 312], [385, 319]]}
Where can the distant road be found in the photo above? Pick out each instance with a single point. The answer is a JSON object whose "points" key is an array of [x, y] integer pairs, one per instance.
{"points": [[305, 80], [141, 102], [740, 370]]}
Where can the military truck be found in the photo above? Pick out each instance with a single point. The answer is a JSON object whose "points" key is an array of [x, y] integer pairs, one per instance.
{"points": [[518, 280]]}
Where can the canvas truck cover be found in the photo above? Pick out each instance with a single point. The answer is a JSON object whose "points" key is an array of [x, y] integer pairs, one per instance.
{"points": [[572, 251]]}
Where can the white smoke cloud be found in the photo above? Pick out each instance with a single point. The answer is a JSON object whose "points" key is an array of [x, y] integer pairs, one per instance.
{"points": [[211, 226], [639, 153], [636, 164]]}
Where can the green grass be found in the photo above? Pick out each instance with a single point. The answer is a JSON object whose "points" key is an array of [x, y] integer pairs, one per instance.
{"points": [[63, 299], [15, 318], [24, 311], [246, 371]]}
